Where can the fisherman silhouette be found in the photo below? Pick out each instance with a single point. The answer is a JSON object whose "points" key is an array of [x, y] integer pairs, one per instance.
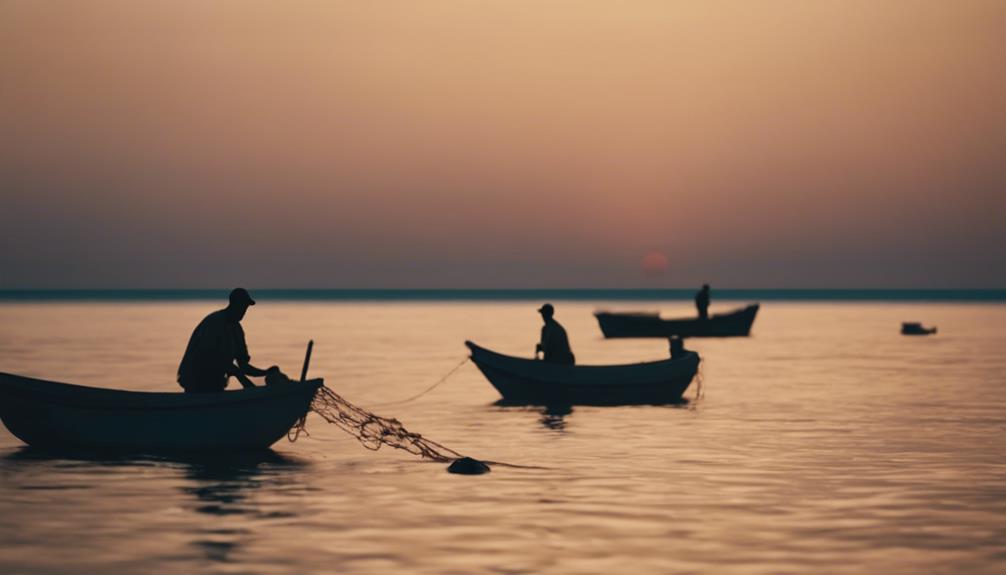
{"points": [[217, 351], [554, 344], [702, 301]]}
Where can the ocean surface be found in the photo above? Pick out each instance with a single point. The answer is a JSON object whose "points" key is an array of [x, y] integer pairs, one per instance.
{"points": [[824, 443]]}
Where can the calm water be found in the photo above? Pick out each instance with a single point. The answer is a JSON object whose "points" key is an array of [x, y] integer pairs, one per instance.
{"points": [[825, 443]]}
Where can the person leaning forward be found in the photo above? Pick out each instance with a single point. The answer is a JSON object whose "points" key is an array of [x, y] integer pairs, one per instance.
{"points": [[217, 350]]}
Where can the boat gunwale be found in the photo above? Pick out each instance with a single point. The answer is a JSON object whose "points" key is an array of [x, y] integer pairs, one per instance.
{"points": [[733, 314], [104, 399]]}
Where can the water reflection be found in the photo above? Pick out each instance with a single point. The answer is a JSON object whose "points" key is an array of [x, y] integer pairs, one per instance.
{"points": [[223, 486], [554, 417], [21, 458], [790, 463]]}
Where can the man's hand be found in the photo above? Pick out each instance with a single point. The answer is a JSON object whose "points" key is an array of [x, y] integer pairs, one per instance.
{"points": [[274, 376]]}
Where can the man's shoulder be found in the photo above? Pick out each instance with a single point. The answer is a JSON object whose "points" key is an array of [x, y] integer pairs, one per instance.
{"points": [[219, 315], [214, 319]]}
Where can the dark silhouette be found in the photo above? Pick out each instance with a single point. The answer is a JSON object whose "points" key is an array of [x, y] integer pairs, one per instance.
{"points": [[468, 466], [554, 417], [217, 350], [677, 345], [525, 381], [631, 324], [915, 328], [554, 344], [702, 301], [78, 416]]}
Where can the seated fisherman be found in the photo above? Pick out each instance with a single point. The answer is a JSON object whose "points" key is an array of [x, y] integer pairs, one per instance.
{"points": [[554, 344], [217, 350]]}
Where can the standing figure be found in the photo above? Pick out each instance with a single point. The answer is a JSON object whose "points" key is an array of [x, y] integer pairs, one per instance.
{"points": [[554, 344], [702, 301]]}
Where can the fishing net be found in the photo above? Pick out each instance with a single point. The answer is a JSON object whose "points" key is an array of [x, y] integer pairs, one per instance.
{"points": [[371, 430]]}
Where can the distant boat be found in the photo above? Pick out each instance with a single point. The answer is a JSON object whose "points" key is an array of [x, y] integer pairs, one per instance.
{"points": [[59, 415], [536, 382], [915, 328], [733, 324]]}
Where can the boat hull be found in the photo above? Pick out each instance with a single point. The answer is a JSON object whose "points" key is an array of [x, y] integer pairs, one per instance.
{"points": [[534, 382], [916, 329], [622, 325], [54, 415]]}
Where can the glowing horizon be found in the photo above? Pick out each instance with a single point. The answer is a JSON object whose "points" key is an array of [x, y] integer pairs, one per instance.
{"points": [[508, 144]]}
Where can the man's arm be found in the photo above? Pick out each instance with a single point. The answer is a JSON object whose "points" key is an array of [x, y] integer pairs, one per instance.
{"points": [[243, 367], [543, 344], [242, 370], [249, 369]]}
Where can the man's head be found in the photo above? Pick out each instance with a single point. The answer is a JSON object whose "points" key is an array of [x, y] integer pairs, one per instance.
{"points": [[240, 299], [546, 311], [705, 287]]}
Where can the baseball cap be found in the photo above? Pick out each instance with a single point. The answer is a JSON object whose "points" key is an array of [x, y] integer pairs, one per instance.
{"points": [[241, 296]]}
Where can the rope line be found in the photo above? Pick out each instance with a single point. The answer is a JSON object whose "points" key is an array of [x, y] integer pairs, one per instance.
{"points": [[428, 389], [699, 393]]}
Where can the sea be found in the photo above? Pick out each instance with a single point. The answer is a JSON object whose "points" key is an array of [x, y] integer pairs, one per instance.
{"points": [[825, 442]]}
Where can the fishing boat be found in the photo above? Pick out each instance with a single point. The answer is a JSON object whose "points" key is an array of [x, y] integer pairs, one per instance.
{"points": [[915, 328], [55, 415], [535, 382], [733, 324]]}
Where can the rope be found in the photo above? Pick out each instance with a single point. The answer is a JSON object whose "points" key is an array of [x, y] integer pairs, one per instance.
{"points": [[428, 389], [698, 384]]}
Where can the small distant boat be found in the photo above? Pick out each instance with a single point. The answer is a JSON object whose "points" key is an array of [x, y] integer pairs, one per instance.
{"points": [[55, 415], [915, 328], [535, 382], [733, 324]]}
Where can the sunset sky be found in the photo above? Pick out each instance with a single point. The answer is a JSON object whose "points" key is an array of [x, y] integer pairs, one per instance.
{"points": [[503, 144]]}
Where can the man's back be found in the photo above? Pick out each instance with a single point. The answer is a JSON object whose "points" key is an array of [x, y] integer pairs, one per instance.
{"points": [[555, 343]]}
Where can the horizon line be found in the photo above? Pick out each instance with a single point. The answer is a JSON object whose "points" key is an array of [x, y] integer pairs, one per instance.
{"points": [[503, 294]]}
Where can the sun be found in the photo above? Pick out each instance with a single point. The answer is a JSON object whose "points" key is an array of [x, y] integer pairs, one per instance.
{"points": [[654, 263]]}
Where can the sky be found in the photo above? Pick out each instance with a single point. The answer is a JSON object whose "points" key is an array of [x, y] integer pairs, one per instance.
{"points": [[503, 144]]}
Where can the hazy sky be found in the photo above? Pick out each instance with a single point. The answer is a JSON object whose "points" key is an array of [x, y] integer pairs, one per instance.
{"points": [[503, 143]]}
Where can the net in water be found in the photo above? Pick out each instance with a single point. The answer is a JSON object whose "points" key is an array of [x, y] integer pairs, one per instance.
{"points": [[371, 430]]}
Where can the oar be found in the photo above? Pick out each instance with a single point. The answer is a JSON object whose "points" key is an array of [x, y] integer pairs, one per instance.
{"points": [[307, 361]]}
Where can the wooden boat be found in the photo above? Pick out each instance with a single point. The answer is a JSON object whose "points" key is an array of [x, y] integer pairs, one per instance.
{"points": [[535, 382], [733, 324], [915, 328], [58, 415]]}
